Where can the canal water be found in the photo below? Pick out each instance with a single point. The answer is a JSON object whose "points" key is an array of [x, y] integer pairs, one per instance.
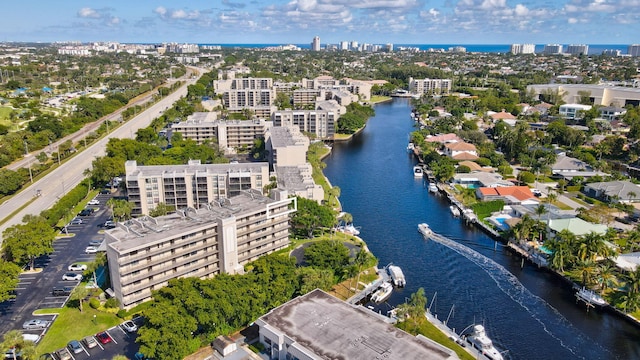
{"points": [[525, 311]]}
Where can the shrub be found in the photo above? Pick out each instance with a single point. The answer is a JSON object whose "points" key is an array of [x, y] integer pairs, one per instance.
{"points": [[122, 313], [483, 162], [94, 303], [463, 169], [111, 303], [505, 170], [573, 188], [526, 177]]}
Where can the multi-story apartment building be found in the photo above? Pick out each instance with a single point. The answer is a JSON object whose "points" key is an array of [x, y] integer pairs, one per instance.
{"points": [[634, 50], [611, 52], [230, 134], [315, 44], [605, 95], [518, 49], [287, 146], [578, 49], [552, 49], [321, 123], [302, 97], [145, 253], [429, 86], [191, 185], [255, 94]]}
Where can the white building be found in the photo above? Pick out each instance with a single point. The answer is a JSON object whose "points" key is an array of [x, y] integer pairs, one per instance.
{"points": [[552, 49], [518, 49], [571, 111], [429, 86], [634, 50], [315, 44], [578, 49], [321, 123], [605, 95]]}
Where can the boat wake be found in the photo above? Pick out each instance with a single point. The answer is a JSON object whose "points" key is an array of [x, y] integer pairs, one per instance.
{"points": [[512, 287]]}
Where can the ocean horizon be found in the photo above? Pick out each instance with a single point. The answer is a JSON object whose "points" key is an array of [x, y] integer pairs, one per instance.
{"points": [[594, 49]]}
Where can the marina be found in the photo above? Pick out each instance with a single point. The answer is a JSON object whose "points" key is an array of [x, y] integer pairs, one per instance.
{"points": [[471, 272]]}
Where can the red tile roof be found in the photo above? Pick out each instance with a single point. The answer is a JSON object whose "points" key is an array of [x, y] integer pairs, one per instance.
{"points": [[519, 192]]}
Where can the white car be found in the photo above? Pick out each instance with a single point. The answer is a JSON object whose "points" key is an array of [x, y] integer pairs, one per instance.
{"points": [[91, 250], [76, 221], [72, 277], [94, 202], [77, 267], [129, 326], [35, 324]]}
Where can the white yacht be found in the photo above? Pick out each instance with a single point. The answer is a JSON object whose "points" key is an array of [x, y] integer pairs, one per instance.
{"points": [[397, 276], [590, 298], [433, 188], [349, 229], [417, 171], [424, 229], [383, 292], [411, 147], [481, 342], [454, 210]]}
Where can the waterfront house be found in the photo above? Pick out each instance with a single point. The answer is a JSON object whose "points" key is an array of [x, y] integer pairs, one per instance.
{"points": [[567, 168], [628, 261], [478, 179], [509, 194], [461, 151], [576, 226], [614, 191], [443, 138], [473, 166]]}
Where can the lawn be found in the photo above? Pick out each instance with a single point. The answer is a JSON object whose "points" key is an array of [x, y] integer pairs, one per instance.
{"points": [[379, 98], [427, 329], [71, 324], [4, 113]]}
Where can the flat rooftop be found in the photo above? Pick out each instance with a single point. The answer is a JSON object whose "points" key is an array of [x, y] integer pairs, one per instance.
{"points": [[282, 136], [194, 167], [147, 230], [334, 329]]}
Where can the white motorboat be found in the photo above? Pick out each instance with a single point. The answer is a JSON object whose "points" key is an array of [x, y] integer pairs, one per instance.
{"points": [[424, 229], [349, 229], [397, 276], [383, 292], [590, 298], [454, 210], [411, 147], [417, 171], [433, 188], [481, 342]]}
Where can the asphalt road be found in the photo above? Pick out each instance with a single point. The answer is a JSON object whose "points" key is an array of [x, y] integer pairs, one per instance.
{"points": [[59, 181]]}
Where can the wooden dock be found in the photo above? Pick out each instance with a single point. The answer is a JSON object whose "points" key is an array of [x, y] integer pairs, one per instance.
{"points": [[371, 288]]}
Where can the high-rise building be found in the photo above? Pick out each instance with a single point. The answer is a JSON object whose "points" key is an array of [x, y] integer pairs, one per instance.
{"points": [[315, 45], [611, 52], [517, 49], [634, 50], [552, 49], [344, 45], [578, 49], [429, 86]]}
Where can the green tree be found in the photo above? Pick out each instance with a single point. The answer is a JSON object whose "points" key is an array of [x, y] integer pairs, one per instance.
{"points": [[23, 243], [106, 168], [121, 209], [313, 278], [13, 340], [79, 294], [415, 308], [162, 209], [327, 254], [310, 216], [8, 279]]}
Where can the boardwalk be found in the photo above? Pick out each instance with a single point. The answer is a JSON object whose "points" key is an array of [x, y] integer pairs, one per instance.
{"points": [[369, 289]]}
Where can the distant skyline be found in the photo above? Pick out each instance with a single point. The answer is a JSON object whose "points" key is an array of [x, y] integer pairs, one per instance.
{"points": [[298, 21]]}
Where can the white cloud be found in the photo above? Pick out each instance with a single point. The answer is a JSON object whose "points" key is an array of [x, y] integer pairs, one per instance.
{"points": [[572, 20], [160, 10], [88, 13]]}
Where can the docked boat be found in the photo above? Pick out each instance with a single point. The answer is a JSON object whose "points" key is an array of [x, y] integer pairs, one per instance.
{"points": [[479, 340], [590, 298], [417, 171], [349, 229], [383, 293], [433, 188], [397, 276], [424, 229], [454, 210], [411, 147]]}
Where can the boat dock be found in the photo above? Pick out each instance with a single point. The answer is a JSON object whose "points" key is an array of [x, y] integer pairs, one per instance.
{"points": [[370, 288], [528, 254]]}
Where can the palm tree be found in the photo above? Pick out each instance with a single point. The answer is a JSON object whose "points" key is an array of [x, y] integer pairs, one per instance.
{"points": [[100, 260], [606, 277], [560, 247], [630, 302], [633, 281], [540, 210], [13, 340], [587, 271], [79, 293]]}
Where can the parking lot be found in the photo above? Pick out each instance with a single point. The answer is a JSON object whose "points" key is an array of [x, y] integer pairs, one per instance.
{"points": [[35, 290]]}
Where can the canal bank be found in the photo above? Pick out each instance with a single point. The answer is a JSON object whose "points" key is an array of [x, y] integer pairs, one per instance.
{"points": [[486, 285]]}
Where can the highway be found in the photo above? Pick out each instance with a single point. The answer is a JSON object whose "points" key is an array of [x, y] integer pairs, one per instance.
{"points": [[64, 178]]}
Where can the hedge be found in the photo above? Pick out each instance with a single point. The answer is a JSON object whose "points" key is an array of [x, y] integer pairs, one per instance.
{"points": [[67, 202]]}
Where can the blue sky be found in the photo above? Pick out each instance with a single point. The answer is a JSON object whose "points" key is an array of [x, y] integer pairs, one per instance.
{"points": [[298, 21]]}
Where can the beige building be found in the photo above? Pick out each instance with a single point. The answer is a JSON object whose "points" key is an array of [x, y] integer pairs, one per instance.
{"points": [[145, 253], [230, 135], [321, 123], [605, 95], [192, 185], [429, 86], [318, 326], [287, 146], [303, 97]]}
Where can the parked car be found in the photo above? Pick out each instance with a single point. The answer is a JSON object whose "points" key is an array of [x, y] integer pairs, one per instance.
{"points": [[62, 291], [109, 224], [74, 345], [35, 324], [13, 353], [90, 342], [85, 212], [103, 337], [95, 243], [76, 221], [71, 277], [77, 267], [105, 191], [31, 337], [94, 202], [129, 326], [91, 250], [63, 354]]}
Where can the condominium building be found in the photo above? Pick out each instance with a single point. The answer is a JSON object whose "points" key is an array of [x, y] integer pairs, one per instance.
{"points": [[429, 86], [230, 134], [578, 49], [605, 95], [145, 253], [552, 49], [319, 326], [302, 97], [287, 146], [315, 44], [221, 86], [320, 123], [259, 101], [190, 185], [634, 50], [518, 49], [611, 52]]}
